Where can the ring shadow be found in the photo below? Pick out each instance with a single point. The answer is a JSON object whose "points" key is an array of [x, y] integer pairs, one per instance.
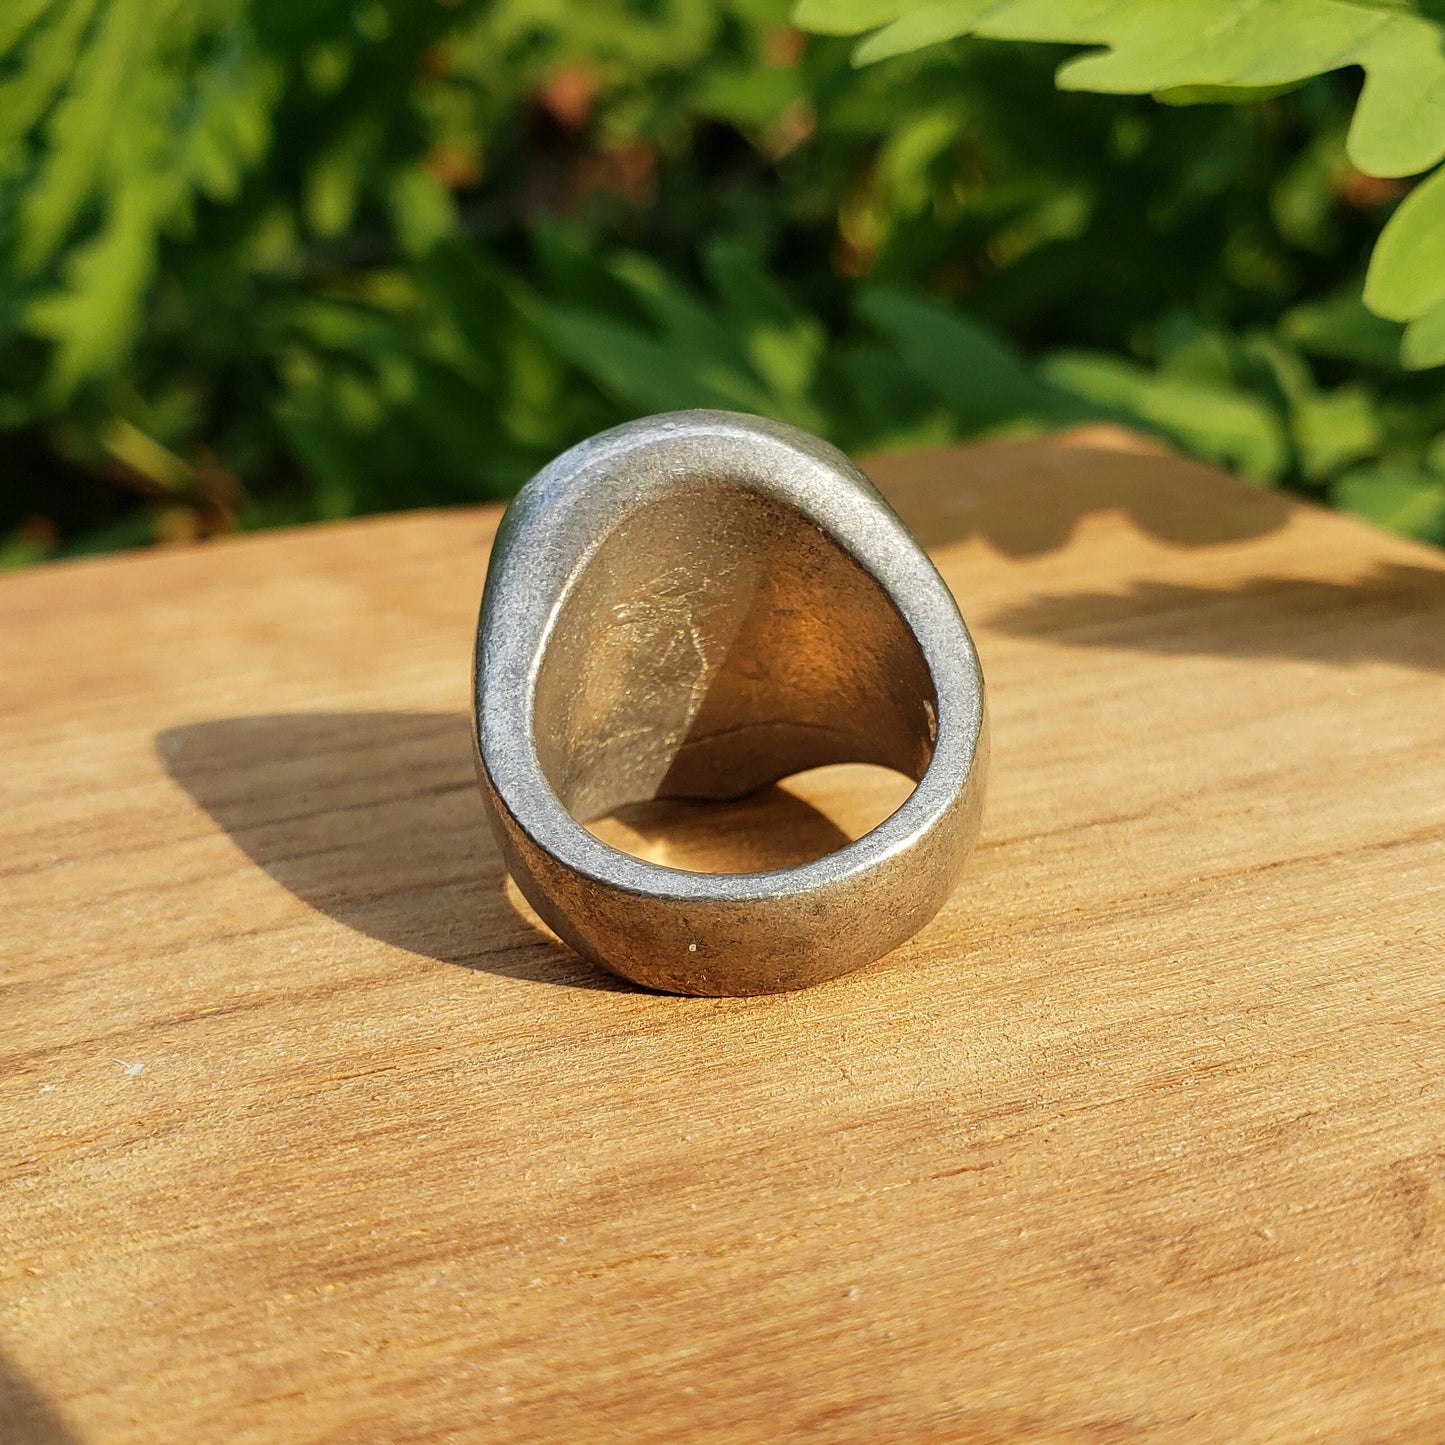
{"points": [[25, 1418], [375, 819]]}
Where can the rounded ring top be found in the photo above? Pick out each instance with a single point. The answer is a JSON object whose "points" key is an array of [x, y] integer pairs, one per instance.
{"points": [[695, 605]]}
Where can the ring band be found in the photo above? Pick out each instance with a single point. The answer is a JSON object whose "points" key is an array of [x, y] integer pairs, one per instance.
{"points": [[694, 606]]}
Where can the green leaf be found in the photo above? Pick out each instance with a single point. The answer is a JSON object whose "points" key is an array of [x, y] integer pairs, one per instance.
{"points": [[160, 100], [1220, 423], [846, 17], [322, 444], [93, 318], [1222, 94], [422, 210], [1333, 429], [18, 17], [688, 324], [986, 383], [1398, 496], [919, 25], [334, 181], [1341, 328], [1424, 344], [48, 61], [1208, 46], [82, 133], [751, 353], [647, 374], [1407, 271], [748, 97], [783, 345]]}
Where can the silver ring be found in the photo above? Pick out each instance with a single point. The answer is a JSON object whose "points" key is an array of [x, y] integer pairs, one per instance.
{"points": [[694, 606]]}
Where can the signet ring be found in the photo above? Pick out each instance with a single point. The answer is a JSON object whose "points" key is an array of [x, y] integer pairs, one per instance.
{"points": [[694, 606]]}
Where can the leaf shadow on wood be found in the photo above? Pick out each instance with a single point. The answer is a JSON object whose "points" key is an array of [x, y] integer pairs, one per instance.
{"points": [[375, 819], [1394, 614], [25, 1418], [1026, 498]]}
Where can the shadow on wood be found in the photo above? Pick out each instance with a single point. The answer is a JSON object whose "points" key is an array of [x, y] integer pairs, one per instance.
{"points": [[375, 819], [25, 1419], [1026, 498], [1393, 614]]}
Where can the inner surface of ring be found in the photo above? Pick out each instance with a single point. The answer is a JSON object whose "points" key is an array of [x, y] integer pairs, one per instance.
{"points": [[716, 641]]}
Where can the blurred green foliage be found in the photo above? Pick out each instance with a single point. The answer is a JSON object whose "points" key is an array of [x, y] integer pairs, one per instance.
{"points": [[265, 262], [1239, 51]]}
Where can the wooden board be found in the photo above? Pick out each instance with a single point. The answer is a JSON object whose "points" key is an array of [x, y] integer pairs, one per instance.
{"points": [[307, 1134]]}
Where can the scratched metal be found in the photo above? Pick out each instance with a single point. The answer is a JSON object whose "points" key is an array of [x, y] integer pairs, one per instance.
{"points": [[694, 606]]}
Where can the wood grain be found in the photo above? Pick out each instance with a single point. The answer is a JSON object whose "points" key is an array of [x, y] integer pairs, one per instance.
{"points": [[308, 1134]]}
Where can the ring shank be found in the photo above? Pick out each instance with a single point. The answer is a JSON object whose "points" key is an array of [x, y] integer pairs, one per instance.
{"points": [[697, 605], [771, 940]]}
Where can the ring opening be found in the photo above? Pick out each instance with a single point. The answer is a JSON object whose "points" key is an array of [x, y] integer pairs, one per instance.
{"points": [[784, 825], [715, 643]]}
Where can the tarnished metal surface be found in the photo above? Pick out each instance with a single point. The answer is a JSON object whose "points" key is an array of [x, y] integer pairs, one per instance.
{"points": [[694, 606]]}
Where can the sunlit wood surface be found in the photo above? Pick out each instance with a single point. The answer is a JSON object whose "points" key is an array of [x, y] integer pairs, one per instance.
{"points": [[308, 1134]]}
